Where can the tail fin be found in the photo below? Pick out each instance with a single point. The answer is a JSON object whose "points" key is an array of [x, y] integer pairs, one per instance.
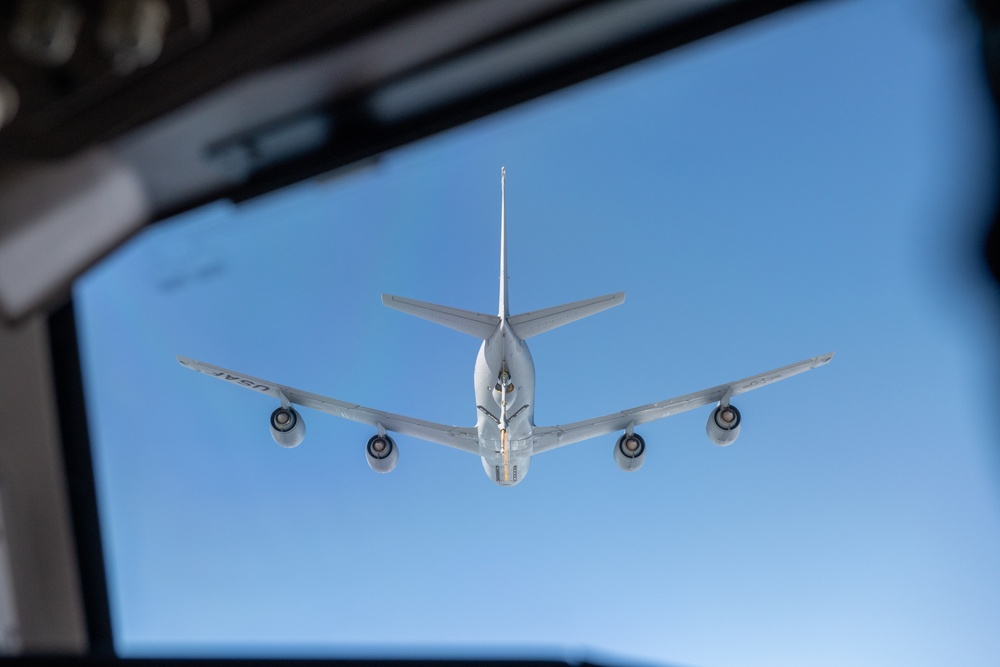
{"points": [[479, 325], [524, 325], [533, 323], [504, 304]]}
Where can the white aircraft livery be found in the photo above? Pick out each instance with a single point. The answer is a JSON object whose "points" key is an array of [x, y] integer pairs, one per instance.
{"points": [[505, 436]]}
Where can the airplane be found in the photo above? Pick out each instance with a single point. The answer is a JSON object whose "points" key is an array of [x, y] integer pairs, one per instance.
{"points": [[505, 436]]}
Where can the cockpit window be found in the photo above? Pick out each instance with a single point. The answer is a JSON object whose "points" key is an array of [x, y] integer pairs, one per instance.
{"points": [[808, 183]]}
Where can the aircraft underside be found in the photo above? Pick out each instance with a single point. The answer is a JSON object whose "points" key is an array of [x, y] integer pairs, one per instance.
{"points": [[505, 435], [505, 388]]}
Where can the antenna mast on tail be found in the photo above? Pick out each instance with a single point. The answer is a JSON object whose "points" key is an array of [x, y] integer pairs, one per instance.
{"points": [[504, 305]]}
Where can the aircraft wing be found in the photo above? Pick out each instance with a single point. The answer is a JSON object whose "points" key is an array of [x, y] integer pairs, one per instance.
{"points": [[551, 437], [466, 439]]}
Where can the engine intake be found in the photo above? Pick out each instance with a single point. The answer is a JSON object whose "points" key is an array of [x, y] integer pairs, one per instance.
{"points": [[287, 428], [724, 425], [630, 452], [381, 453]]}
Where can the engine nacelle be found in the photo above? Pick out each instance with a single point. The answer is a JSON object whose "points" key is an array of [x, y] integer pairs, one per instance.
{"points": [[630, 452], [287, 427], [723, 425], [381, 453]]}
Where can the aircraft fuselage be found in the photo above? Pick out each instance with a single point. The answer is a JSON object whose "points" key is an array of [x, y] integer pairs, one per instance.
{"points": [[505, 396]]}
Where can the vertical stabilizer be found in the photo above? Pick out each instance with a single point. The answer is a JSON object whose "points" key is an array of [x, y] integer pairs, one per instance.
{"points": [[504, 305]]}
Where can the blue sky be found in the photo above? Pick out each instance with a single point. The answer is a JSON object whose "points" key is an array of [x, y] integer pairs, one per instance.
{"points": [[814, 181]]}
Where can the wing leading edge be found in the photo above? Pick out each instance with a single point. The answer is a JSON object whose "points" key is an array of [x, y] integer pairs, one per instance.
{"points": [[551, 437], [457, 437]]}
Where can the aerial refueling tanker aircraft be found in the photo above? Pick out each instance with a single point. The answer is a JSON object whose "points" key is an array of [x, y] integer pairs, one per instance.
{"points": [[505, 436]]}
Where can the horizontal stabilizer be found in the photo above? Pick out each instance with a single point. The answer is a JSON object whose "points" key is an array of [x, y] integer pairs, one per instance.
{"points": [[535, 322], [479, 325]]}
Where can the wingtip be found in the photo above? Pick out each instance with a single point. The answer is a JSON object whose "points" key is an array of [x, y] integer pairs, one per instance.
{"points": [[616, 298]]}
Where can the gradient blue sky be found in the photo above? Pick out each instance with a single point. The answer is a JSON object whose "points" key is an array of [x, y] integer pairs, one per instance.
{"points": [[814, 181]]}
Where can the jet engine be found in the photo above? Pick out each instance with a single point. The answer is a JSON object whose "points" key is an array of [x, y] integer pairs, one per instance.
{"points": [[287, 427], [723, 425], [630, 452], [381, 453]]}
